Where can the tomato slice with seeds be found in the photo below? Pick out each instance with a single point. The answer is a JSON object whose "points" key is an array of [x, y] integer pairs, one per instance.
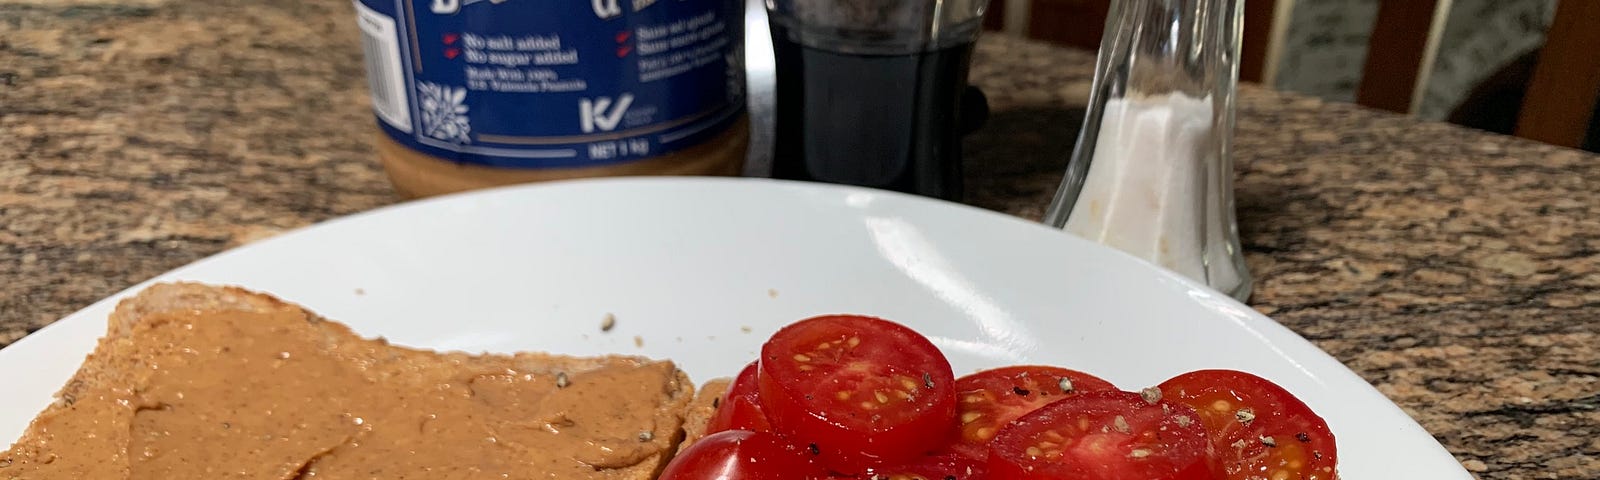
{"points": [[989, 400], [1259, 430], [729, 456], [1106, 435], [866, 391], [740, 407]]}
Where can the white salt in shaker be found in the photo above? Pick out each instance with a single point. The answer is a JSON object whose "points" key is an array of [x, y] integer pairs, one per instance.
{"points": [[1151, 174]]}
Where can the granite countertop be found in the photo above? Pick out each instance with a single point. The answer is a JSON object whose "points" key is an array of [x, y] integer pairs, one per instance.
{"points": [[1457, 271]]}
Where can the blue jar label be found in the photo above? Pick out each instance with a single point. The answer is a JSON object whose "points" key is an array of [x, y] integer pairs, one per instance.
{"points": [[553, 83]]}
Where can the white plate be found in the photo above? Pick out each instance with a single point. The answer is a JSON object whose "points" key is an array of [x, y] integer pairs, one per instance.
{"points": [[702, 270]]}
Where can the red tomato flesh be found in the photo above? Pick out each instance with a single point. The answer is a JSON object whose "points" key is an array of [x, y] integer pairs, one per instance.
{"points": [[1259, 430], [865, 391], [743, 455], [740, 407], [1106, 435], [987, 401]]}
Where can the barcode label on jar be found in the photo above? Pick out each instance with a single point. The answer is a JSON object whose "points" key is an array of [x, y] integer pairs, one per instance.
{"points": [[385, 81]]}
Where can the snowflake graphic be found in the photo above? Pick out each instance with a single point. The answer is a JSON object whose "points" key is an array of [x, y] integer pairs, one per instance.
{"points": [[444, 116], [735, 60]]}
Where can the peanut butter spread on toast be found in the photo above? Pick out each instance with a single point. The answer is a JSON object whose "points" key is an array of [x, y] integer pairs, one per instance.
{"points": [[197, 382]]}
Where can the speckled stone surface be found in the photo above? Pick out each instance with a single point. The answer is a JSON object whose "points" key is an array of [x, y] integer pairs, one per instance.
{"points": [[1458, 272]]}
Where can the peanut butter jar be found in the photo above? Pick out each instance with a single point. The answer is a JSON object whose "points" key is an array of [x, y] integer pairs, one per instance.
{"points": [[472, 94]]}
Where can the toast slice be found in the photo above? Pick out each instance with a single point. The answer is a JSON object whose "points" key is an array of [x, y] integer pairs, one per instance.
{"points": [[197, 381]]}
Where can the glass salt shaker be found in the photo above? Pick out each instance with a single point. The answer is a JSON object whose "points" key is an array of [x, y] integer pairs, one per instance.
{"points": [[1152, 174]]}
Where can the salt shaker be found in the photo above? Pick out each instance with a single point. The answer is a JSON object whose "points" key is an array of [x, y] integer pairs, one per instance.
{"points": [[1151, 174]]}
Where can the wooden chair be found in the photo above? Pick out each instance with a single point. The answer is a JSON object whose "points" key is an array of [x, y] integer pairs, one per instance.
{"points": [[1561, 96], [1557, 108]]}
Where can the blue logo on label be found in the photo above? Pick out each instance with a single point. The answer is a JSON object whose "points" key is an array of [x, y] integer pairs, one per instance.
{"points": [[553, 83]]}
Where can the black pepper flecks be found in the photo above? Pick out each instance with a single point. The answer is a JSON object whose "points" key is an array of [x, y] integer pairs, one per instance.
{"points": [[814, 450], [1302, 437], [1020, 391]]}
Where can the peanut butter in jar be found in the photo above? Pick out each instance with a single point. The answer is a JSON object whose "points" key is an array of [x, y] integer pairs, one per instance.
{"points": [[420, 175], [473, 94]]}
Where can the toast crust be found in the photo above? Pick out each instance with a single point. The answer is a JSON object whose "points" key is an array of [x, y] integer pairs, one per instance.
{"points": [[699, 413]]}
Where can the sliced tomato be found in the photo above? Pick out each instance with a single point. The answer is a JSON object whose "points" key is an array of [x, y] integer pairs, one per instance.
{"points": [[989, 400], [865, 391], [940, 466], [1259, 430], [1106, 435], [740, 406], [744, 455]]}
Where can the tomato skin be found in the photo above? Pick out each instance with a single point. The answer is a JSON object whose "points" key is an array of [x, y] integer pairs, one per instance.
{"points": [[989, 400], [1300, 447], [938, 466], [866, 391], [1105, 435], [728, 456], [740, 407]]}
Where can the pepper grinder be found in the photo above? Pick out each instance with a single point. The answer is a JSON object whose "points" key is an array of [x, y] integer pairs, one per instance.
{"points": [[874, 93], [1152, 174]]}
